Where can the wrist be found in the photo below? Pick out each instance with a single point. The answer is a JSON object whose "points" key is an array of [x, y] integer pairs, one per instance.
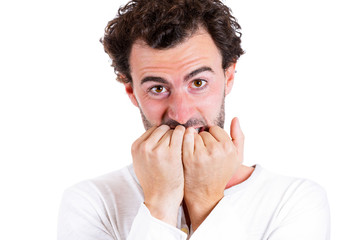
{"points": [[200, 208], [200, 202], [165, 211]]}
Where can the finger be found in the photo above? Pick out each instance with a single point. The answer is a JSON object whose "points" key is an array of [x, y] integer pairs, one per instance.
{"points": [[157, 134], [165, 139], [207, 138], [219, 134], [236, 133], [146, 134], [177, 137], [188, 142], [199, 143]]}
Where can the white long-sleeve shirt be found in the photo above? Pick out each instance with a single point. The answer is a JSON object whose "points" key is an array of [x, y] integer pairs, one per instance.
{"points": [[265, 206]]}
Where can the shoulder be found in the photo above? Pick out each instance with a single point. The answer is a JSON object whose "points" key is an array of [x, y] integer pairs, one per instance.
{"points": [[94, 204], [298, 199], [301, 207], [297, 189], [276, 192], [280, 195], [102, 192], [106, 184]]}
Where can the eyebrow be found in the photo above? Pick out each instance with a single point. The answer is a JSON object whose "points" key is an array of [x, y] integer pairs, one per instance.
{"points": [[187, 77], [197, 71], [154, 79]]}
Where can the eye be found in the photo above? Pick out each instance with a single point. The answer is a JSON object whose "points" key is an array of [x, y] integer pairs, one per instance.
{"points": [[198, 83], [158, 89]]}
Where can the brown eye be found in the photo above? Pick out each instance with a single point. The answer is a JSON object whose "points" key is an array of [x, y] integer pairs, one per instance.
{"points": [[198, 83], [159, 89]]}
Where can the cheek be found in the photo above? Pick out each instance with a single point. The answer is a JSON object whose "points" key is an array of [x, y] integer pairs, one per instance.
{"points": [[152, 109], [210, 104]]}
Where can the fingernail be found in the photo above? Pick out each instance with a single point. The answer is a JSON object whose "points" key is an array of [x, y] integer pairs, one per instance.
{"points": [[191, 130], [164, 126]]}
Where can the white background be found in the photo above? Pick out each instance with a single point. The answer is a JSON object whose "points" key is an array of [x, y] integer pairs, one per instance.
{"points": [[64, 118]]}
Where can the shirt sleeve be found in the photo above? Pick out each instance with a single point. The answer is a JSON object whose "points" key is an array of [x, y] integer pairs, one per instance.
{"points": [[305, 215], [81, 218], [146, 227]]}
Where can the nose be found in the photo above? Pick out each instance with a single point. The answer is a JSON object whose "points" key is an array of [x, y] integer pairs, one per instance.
{"points": [[181, 108]]}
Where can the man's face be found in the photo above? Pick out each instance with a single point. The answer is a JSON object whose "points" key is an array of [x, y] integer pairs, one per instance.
{"points": [[184, 85]]}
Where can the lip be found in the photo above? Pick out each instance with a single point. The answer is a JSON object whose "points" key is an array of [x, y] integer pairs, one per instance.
{"points": [[200, 129]]}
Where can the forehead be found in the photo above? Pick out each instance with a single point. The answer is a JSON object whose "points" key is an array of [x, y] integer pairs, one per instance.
{"points": [[196, 51]]}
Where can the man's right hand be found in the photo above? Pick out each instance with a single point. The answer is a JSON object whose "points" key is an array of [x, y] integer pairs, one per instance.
{"points": [[158, 166]]}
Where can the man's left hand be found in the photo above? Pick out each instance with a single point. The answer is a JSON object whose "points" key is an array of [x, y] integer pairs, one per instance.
{"points": [[210, 160]]}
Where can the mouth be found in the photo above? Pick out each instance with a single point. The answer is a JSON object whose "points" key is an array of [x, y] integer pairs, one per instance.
{"points": [[201, 129], [197, 129]]}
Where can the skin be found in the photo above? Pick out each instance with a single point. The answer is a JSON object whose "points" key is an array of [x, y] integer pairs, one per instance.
{"points": [[177, 91]]}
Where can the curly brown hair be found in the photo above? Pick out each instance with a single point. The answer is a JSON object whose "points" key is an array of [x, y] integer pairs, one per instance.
{"points": [[162, 24]]}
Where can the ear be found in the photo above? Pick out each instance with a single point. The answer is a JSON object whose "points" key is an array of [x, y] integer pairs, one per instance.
{"points": [[229, 78], [130, 92]]}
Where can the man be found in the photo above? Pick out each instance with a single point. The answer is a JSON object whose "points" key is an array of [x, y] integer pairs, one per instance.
{"points": [[177, 61]]}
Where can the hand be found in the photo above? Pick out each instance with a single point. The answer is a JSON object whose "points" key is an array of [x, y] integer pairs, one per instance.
{"points": [[158, 166], [210, 160]]}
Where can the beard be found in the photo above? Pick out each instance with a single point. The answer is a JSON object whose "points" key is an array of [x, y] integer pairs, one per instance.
{"points": [[219, 120]]}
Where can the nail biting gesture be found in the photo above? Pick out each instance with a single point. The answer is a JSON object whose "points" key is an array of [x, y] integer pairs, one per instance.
{"points": [[176, 165], [158, 166], [210, 160]]}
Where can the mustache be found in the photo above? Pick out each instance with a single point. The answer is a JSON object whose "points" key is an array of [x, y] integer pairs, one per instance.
{"points": [[190, 123]]}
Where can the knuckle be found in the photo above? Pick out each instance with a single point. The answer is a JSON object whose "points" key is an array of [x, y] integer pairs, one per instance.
{"points": [[213, 146], [156, 152], [216, 152], [228, 146], [200, 156], [145, 147], [134, 147]]}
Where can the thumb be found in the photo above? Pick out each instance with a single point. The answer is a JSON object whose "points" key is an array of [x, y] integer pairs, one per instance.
{"points": [[236, 134]]}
